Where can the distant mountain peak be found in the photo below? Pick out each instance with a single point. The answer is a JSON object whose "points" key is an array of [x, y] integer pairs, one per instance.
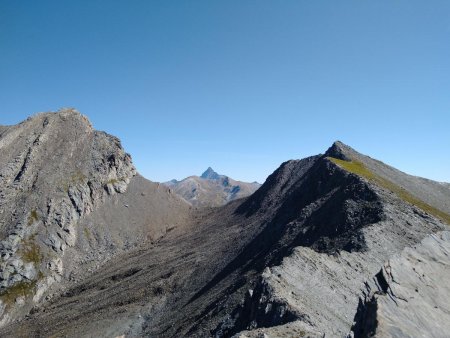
{"points": [[210, 174], [211, 189]]}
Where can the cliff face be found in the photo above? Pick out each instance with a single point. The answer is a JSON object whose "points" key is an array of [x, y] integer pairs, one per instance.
{"points": [[55, 170]]}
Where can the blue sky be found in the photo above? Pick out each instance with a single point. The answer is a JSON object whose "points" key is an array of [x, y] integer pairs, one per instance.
{"points": [[238, 85]]}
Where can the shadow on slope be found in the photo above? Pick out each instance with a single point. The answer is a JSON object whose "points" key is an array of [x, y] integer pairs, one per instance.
{"points": [[311, 203]]}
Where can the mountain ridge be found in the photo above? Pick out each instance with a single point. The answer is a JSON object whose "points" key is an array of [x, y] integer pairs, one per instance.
{"points": [[298, 257]]}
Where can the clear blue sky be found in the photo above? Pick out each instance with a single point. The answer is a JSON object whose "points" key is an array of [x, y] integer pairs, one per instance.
{"points": [[238, 85]]}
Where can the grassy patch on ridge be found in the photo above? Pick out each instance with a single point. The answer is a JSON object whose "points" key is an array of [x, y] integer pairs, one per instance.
{"points": [[360, 169]]}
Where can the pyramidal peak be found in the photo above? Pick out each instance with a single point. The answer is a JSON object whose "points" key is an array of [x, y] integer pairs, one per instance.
{"points": [[340, 150], [210, 174]]}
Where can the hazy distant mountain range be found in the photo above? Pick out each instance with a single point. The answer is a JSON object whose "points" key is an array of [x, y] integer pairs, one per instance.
{"points": [[211, 189], [333, 245]]}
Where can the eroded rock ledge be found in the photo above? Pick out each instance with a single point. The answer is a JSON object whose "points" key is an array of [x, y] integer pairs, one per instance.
{"points": [[410, 296]]}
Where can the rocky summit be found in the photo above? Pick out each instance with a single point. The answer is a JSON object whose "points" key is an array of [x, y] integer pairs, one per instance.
{"points": [[333, 245], [210, 174]]}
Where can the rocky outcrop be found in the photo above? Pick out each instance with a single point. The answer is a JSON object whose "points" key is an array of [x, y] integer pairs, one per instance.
{"points": [[55, 169], [409, 296], [260, 309]]}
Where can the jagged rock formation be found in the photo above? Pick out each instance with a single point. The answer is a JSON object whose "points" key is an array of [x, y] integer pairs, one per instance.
{"points": [[55, 171], [296, 258], [410, 295], [211, 189], [210, 174]]}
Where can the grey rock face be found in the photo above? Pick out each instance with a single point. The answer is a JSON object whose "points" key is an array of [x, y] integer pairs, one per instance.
{"points": [[410, 295], [54, 170]]}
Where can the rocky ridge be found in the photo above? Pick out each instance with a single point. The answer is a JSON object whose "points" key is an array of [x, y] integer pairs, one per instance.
{"points": [[323, 248], [317, 280]]}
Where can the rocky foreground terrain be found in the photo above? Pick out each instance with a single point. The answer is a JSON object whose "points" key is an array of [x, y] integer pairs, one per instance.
{"points": [[211, 189], [333, 245]]}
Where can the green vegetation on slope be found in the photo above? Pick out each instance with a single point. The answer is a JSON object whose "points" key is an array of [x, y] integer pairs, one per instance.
{"points": [[359, 169], [87, 233], [77, 178], [33, 217], [30, 251], [115, 180], [32, 254], [112, 181], [20, 289]]}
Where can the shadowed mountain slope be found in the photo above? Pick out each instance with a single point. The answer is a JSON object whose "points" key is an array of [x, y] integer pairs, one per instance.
{"points": [[292, 259], [327, 230], [211, 189]]}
